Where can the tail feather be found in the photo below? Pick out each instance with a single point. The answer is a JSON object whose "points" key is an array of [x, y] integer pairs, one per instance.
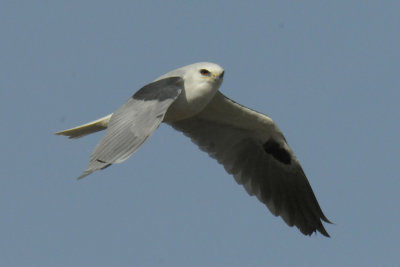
{"points": [[88, 128]]}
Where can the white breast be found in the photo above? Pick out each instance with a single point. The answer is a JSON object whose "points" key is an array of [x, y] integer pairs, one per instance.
{"points": [[193, 99]]}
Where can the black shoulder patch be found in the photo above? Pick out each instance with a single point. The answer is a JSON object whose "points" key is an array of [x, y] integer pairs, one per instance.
{"points": [[279, 153], [160, 90]]}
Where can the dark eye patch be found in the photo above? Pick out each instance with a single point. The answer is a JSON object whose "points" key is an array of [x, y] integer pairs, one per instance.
{"points": [[205, 72]]}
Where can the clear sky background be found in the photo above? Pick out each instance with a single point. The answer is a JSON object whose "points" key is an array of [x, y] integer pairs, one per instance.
{"points": [[326, 71]]}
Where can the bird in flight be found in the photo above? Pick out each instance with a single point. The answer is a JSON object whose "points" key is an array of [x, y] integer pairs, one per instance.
{"points": [[247, 143]]}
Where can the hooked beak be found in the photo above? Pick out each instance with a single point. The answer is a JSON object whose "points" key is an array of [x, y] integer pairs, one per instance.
{"points": [[219, 76]]}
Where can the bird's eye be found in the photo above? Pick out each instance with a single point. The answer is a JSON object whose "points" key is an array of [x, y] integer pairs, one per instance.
{"points": [[205, 72]]}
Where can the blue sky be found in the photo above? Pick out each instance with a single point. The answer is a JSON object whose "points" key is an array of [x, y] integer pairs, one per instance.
{"points": [[326, 71]]}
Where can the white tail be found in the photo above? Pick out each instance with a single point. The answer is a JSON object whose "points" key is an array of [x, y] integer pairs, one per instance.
{"points": [[88, 128]]}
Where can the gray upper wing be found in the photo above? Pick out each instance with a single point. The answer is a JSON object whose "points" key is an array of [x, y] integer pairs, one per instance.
{"points": [[251, 148], [134, 122]]}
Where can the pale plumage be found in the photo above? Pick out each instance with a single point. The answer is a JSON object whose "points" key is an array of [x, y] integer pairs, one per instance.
{"points": [[248, 144]]}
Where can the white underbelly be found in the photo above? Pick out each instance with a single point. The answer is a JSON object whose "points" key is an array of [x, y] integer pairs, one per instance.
{"points": [[189, 104]]}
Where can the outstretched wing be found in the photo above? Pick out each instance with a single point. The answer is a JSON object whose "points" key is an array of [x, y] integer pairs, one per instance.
{"points": [[254, 151], [134, 122]]}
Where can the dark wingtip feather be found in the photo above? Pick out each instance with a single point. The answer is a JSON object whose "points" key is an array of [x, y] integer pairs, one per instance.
{"points": [[322, 230], [84, 174]]}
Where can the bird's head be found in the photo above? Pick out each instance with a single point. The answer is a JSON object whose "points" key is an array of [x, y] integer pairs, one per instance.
{"points": [[204, 75]]}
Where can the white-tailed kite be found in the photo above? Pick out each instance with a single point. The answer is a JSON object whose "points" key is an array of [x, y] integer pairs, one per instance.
{"points": [[248, 144]]}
